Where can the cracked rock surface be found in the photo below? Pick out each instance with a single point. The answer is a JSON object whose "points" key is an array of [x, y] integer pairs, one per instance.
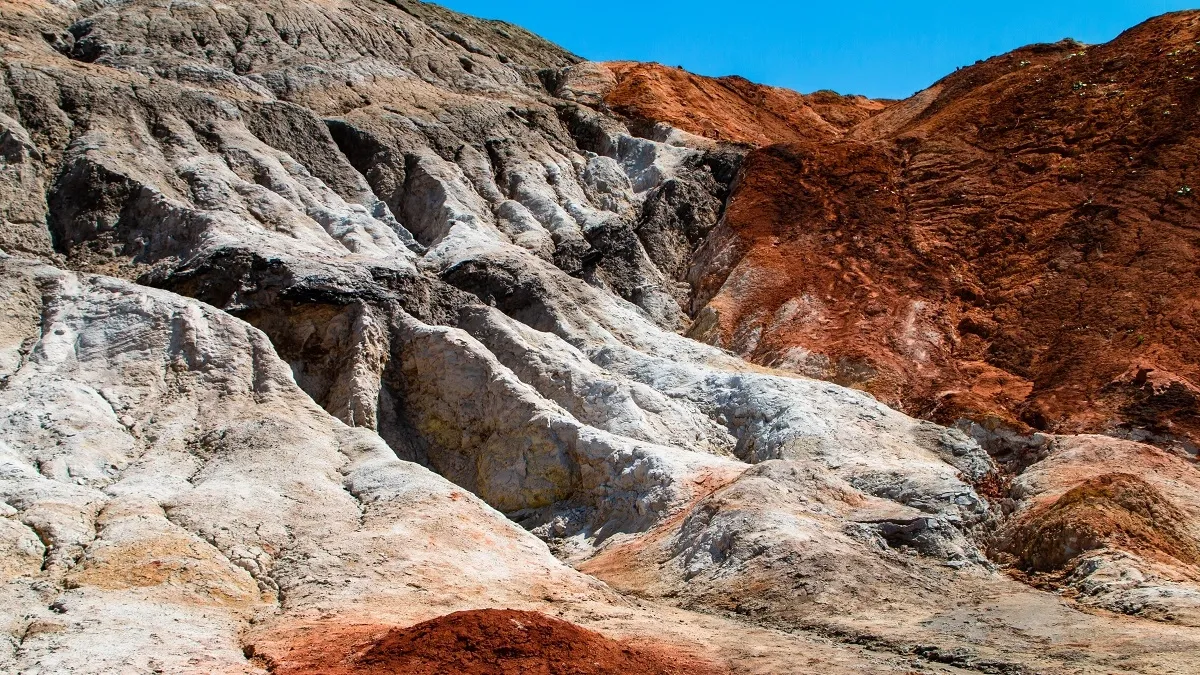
{"points": [[319, 320]]}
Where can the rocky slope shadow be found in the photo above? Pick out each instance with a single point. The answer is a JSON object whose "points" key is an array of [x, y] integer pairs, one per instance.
{"points": [[458, 259]]}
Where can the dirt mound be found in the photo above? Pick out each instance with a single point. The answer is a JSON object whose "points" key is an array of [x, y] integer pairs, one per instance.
{"points": [[1013, 245], [731, 109], [477, 642], [1114, 510]]}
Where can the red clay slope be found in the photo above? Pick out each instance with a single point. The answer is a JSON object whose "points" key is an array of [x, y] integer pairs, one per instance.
{"points": [[1017, 244], [731, 109], [477, 642]]}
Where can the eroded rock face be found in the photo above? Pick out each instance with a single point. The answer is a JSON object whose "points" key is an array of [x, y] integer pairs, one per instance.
{"points": [[167, 483], [325, 319], [1012, 246]]}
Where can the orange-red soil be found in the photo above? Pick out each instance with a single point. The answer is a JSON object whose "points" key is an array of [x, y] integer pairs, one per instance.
{"points": [[477, 642], [1019, 244], [731, 109]]}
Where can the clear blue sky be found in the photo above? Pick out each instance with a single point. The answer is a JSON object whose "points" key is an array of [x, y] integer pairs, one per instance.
{"points": [[872, 47]]}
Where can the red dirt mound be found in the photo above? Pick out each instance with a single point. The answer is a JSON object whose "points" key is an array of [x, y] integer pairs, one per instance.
{"points": [[1115, 510], [1018, 244], [731, 109], [478, 642]]}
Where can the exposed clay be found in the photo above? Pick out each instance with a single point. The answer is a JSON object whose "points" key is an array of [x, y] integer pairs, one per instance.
{"points": [[476, 642], [1014, 245], [731, 109]]}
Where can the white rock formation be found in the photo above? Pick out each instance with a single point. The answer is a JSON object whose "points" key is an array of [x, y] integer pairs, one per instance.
{"points": [[167, 485]]}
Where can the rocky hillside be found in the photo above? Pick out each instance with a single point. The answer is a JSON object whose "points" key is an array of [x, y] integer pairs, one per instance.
{"points": [[1015, 246], [360, 336]]}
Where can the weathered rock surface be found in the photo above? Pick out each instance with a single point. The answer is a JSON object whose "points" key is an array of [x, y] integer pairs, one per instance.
{"points": [[729, 109], [168, 485], [323, 319], [1013, 246]]}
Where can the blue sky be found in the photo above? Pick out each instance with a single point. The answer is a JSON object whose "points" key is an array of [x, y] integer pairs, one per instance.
{"points": [[881, 49]]}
